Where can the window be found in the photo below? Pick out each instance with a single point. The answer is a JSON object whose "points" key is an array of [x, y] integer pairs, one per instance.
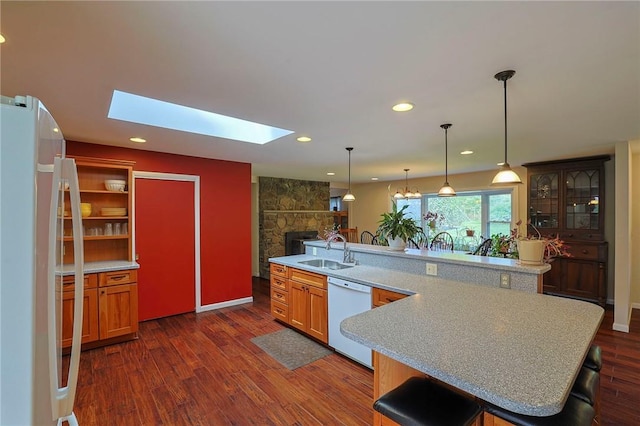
{"points": [[484, 212]]}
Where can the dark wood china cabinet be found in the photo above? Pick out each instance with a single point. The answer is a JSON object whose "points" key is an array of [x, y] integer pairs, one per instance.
{"points": [[566, 198]]}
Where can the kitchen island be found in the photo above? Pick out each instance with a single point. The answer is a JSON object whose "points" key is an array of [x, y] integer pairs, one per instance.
{"points": [[518, 350]]}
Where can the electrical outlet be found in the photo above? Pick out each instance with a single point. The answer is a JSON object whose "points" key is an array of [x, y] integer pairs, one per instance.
{"points": [[505, 280], [314, 250], [432, 269]]}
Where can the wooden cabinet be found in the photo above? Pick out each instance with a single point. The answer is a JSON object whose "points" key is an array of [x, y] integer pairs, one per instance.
{"points": [[341, 218], [279, 292], [566, 198], [308, 308], [118, 298], [380, 297], [110, 308], [90, 331], [109, 209], [299, 298]]}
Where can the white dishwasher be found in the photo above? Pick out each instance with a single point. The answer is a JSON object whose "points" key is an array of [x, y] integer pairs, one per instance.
{"points": [[347, 299]]}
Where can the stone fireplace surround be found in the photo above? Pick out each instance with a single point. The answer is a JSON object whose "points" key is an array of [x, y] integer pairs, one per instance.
{"points": [[287, 205]]}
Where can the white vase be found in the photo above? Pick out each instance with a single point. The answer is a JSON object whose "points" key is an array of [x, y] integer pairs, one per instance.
{"points": [[397, 244], [531, 252]]}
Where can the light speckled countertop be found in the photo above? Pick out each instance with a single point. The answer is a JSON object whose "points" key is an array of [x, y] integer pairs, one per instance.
{"points": [[104, 266], [518, 350]]}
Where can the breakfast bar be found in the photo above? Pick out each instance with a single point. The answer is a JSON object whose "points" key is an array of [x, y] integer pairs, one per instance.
{"points": [[520, 351]]}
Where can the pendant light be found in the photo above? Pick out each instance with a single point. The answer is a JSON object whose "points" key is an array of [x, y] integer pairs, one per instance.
{"points": [[407, 192], [505, 176], [446, 190], [349, 196]]}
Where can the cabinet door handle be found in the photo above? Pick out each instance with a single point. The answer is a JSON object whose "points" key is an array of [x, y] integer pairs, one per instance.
{"points": [[117, 277], [388, 299], [102, 292]]}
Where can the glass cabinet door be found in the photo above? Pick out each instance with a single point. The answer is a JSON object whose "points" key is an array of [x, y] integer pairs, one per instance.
{"points": [[582, 199], [543, 200]]}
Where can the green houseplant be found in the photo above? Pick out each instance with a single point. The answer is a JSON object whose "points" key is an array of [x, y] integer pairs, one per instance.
{"points": [[529, 249], [396, 228]]}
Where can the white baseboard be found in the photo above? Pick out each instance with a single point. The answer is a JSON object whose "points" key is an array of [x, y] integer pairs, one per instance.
{"points": [[635, 306], [621, 327], [226, 304]]}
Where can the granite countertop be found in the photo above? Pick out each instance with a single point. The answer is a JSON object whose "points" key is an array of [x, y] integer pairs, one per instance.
{"points": [[457, 257], [516, 349], [103, 266]]}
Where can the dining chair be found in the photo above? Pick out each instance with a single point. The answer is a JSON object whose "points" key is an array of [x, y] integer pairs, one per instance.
{"points": [[350, 234], [443, 241], [483, 249], [366, 237]]}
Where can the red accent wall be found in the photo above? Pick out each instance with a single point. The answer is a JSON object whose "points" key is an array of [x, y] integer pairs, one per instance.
{"points": [[225, 213]]}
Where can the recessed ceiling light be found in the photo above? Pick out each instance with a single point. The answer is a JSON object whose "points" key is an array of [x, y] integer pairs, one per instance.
{"points": [[55, 129], [466, 152], [402, 107], [2, 40], [304, 139], [138, 140], [331, 174], [153, 112], [374, 178]]}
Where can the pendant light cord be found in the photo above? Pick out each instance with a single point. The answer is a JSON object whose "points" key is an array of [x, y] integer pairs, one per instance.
{"points": [[446, 159], [505, 121]]}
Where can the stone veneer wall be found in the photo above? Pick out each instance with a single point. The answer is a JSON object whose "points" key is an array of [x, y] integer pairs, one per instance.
{"points": [[289, 205]]}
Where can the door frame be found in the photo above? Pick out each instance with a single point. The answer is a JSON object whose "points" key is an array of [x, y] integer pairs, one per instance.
{"points": [[196, 208]]}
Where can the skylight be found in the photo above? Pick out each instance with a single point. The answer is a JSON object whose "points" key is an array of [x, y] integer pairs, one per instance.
{"points": [[139, 109]]}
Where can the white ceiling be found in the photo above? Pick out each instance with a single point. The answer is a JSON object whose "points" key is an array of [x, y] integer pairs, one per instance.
{"points": [[332, 70]]}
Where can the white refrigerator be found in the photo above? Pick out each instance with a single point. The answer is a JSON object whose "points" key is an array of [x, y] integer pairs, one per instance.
{"points": [[40, 217]]}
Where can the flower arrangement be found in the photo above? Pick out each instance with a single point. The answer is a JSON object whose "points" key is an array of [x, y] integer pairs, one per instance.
{"points": [[433, 219]]}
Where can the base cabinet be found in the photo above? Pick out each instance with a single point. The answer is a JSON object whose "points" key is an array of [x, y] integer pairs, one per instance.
{"points": [[90, 332], [110, 308], [299, 298]]}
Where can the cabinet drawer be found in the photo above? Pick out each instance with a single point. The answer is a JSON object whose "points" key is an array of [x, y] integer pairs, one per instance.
{"points": [[382, 297], [90, 281], [280, 311], [276, 269], [279, 282], [279, 295], [587, 251], [316, 280], [118, 277]]}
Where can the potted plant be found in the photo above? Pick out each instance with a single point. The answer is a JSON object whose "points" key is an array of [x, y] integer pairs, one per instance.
{"points": [[536, 249], [396, 228]]}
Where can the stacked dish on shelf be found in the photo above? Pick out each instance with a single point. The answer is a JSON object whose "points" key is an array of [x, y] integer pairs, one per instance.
{"points": [[113, 211], [115, 185]]}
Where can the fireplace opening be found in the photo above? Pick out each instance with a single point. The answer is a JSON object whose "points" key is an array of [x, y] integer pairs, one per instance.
{"points": [[294, 241]]}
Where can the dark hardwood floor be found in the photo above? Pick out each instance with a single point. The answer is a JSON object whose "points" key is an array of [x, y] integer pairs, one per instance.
{"points": [[203, 370]]}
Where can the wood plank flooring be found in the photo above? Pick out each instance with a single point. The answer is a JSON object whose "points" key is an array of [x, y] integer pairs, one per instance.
{"points": [[203, 370]]}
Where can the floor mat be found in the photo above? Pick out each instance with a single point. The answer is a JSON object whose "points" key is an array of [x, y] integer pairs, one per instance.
{"points": [[290, 348]]}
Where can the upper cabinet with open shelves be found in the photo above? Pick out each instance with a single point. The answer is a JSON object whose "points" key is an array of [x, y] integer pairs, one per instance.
{"points": [[107, 225]]}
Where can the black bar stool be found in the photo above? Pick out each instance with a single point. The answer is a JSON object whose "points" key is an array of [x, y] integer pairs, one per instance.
{"points": [[586, 386], [576, 412], [594, 358], [422, 402]]}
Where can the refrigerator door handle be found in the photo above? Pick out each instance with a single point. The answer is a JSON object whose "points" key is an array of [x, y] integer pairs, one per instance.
{"points": [[62, 398]]}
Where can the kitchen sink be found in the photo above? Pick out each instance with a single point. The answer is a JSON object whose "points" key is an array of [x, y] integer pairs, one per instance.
{"points": [[325, 264]]}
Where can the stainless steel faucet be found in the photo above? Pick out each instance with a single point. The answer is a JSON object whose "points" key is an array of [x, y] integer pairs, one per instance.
{"points": [[346, 256]]}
